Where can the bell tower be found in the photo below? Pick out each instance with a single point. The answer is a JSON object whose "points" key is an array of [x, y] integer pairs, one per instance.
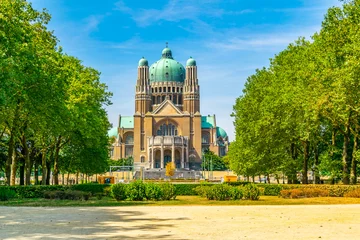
{"points": [[142, 89], [191, 88]]}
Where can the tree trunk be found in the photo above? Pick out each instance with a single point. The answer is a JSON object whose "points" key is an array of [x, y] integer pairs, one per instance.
{"points": [[27, 160], [77, 178], [345, 156], [306, 162], [62, 179], [11, 149], [353, 173], [67, 179], [22, 170], [316, 164], [56, 160], [43, 167], [36, 172], [48, 172], [13, 170], [268, 178]]}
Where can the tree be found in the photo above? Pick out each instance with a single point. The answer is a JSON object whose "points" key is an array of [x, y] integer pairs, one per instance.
{"points": [[170, 169]]}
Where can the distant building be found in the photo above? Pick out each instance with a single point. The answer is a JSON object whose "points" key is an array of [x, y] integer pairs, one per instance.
{"points": [[167, 124]]}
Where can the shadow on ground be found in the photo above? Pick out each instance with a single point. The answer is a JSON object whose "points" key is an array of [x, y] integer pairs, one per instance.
{"points": [[82, 223]]}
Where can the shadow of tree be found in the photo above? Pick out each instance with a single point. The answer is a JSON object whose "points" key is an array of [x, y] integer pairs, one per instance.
{"points": [[83, 223]]}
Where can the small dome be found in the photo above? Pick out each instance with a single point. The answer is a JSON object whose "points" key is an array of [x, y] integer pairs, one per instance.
{"points": [[166, 53], [143, 62], [191, 62], [113, 132], [221, 132]]}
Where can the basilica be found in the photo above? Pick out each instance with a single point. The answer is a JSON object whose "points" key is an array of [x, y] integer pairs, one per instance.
{"points": [[167, 124]]}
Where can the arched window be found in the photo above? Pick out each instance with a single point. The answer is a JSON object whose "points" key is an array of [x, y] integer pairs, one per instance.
{"points": [[129, 139], [180, 99], [205, 138], [142, 159], [167, 130], [158, 100]]}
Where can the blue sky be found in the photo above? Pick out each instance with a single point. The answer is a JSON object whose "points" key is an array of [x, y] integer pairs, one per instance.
{"points": [[228, 39]]}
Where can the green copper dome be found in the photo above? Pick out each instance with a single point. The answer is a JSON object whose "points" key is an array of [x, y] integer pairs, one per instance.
{"points": [[221, 132], [191, 62], [143, 62], [167, 69]]}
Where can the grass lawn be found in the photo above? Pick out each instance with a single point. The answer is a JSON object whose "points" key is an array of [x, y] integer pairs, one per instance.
{"points": [[180, 201]]}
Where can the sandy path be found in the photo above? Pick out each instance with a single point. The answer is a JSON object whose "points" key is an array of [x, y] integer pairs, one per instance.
{"points": [[194, 222]]}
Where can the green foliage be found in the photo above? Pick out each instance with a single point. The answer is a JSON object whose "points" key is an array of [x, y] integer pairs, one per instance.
{"points": [[153, 191], [251, 192], [187, 189], [302, 112], [90, 187], [135, 191], [211, 161], [236, 193], [6, 194], [168, 191], [221, 192], [271, 189], [119, 191], [67, 195]]}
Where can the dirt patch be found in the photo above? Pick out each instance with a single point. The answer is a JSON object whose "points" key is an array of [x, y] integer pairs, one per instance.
{"points": [[182, 222]]}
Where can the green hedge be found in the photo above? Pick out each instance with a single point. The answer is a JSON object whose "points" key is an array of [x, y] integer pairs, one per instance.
{"points": [[334, 190], [37, 191], [188, 189], [92, 188]]}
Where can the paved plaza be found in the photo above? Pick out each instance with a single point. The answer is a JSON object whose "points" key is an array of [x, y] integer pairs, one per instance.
{"points": [[179, 222]]}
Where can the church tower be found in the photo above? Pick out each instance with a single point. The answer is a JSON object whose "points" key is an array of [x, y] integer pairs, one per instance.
{"points": [[142, 89], [191, 88]]}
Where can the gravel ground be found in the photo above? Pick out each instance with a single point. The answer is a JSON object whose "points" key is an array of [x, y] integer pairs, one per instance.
{"points": [[182, 222]]}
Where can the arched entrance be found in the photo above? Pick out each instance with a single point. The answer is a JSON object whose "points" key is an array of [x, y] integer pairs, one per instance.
{"points": [[177, 158], [167, 156], [157, 158]]}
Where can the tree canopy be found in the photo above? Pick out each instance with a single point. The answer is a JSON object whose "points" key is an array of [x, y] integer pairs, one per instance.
{"points": [[302, 112]]}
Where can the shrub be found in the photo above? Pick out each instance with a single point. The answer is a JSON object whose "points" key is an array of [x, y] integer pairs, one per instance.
{"points": [[99, 196], [118, 191], [168, 191], [188, 189], [136, 191], [251, 191], [107, 191], [353, 194], [7, 194], [306, 192], [92, 188], [270, 189], [201, 190], [221, 192], [236, 193], [153, 191]]}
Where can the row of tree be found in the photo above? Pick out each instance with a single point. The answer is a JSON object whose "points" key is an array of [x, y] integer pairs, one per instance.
{"points": [[52, 115], [302, 113]]}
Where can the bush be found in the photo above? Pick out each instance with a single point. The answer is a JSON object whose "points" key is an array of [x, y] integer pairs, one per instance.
{"points": [[221, 192], [99, 196], [118, 191], [353, 194], [236, 193], [153, 191], [306, 192], [168, 191], [136, 191], [271, 189], [251, 191], [7, 194], [92, 188], [202, 190], [188, 189]]}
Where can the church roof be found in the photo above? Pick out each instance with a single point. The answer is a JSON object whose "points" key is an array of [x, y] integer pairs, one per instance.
{"points": [[167, 69], [127, 122], [113, 132], [207, 121], [220, 132]]}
